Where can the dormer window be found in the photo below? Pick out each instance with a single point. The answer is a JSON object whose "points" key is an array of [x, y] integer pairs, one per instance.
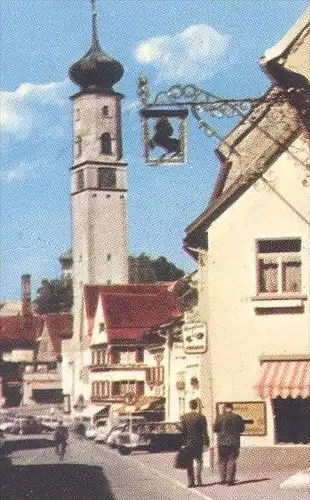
{"points": [[78, 146], [106, 144]]}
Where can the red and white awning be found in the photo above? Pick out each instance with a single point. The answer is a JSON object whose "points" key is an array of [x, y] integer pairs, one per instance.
{"points": [[284, 379]]}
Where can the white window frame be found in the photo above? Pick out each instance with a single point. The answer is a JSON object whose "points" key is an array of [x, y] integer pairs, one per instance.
{"points": [[280, 259]]}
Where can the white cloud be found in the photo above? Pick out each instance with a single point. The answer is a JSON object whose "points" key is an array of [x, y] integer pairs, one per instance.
{"points": [[194, 54], [21, 110], [17, 174]]}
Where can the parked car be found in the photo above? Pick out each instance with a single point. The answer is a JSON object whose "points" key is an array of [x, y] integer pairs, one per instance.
{"points": [[27, 425], [48, 423], [112, 437], [90, 431], [151, 436], [124, 421], [6, 425], [99, 429]]}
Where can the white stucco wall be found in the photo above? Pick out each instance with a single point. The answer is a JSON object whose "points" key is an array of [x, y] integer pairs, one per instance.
{"points": [[237, 335]]}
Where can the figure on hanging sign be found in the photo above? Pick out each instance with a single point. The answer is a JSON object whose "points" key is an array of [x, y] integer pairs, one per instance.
{"points": [[163, 139], [164, 136]]}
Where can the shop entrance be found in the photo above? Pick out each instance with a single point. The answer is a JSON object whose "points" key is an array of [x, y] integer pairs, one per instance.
{"points": [[292, 420]]}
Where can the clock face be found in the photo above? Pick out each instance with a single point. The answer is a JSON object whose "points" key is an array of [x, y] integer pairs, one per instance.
{"points": [[107, 178]]}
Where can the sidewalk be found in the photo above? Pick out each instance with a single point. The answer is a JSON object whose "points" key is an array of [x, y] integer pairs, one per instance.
{"points": [[250, 485], [299, 480]]}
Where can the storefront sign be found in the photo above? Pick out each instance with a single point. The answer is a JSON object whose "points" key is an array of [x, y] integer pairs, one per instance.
{"points": [[253, 414], [195, 338]]}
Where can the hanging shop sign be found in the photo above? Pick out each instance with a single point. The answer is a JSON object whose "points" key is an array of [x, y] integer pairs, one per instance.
{"points": [[253, 414], [195, 338], [164, 136]]}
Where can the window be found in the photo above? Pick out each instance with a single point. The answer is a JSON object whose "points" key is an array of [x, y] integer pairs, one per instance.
{"points": [[105, 111], [127, 358], [155, 375], [78, 147], [140, 356], [77, 115], [106, 178], [279, 266], [106, 144], [80, 180]]}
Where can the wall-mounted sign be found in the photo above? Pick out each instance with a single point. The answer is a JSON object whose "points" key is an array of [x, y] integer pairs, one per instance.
{"points": [[164, 136], [195, 338], [253, 414]]}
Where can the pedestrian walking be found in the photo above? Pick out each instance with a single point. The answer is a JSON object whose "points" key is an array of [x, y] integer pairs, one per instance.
{"points": [[194, 438], [228, 427]]}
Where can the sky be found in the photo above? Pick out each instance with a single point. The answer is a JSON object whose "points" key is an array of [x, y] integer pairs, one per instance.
{"points": [[214, 44]]}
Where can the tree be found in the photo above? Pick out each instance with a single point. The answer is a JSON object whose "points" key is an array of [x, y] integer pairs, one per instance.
{"points": [[54, 296], [143, 269]]}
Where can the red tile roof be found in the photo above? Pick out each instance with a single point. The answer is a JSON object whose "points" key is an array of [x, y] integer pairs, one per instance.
{"points": [[131, 310], [17, 330], [20, 330]]}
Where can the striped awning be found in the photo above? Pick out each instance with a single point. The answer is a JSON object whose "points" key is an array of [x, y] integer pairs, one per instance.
{"points": [[284, 379]]}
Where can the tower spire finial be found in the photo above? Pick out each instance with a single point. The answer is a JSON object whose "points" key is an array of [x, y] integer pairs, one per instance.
{"points": [[95, 38]]}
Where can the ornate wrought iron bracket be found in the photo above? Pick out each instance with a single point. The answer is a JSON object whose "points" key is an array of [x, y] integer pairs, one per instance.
{"points": [[200, 102]]}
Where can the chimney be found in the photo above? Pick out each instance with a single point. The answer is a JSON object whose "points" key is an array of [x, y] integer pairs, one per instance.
{"points": [[26, 295]]}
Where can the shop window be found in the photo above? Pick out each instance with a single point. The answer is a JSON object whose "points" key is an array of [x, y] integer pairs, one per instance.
{"points": [[279, 266], [106, 178], [78, 147], [292, 420], [106, 143]]}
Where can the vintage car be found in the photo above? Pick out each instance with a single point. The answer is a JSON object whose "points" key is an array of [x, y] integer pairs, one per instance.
{"points": [[97, 430], [112, 438], [151, 436], [26, 425]]}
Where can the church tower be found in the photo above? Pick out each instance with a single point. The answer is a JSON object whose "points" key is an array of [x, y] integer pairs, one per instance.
{"points": [[98, 188]]}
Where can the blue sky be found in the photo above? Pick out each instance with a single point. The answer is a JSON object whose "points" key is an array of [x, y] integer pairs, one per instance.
{"points": [[215, 44]]}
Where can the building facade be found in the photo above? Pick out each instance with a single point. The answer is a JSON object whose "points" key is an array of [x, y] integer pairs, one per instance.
{"points": [[254, 267]]}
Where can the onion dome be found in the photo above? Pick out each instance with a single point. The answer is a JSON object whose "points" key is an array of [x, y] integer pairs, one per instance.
{"points": [[96, 70]]}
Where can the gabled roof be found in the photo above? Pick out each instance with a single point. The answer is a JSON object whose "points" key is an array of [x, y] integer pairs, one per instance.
{"points": [[131, 310], [20, 330], [264, 133], [59, 327]]}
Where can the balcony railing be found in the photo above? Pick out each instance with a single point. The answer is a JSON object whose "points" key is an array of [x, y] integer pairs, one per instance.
{"points": [[117, 366]]}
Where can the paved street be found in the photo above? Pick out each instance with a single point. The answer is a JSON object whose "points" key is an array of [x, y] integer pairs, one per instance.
{"points": [[93, 471]]}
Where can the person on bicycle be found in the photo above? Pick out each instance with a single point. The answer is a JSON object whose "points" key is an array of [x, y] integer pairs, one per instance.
{"points": [[60, 436]]}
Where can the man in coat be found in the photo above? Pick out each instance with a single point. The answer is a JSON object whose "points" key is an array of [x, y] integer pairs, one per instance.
{"points": [[194, 438], [228, 427]]}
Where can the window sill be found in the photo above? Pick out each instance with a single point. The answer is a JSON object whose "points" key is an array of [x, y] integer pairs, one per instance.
{"points": [[278, 301]]}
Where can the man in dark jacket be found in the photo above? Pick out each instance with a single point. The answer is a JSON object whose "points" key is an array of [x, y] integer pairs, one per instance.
{"points": [[194, 438], [60, 436], [228, 427]]}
